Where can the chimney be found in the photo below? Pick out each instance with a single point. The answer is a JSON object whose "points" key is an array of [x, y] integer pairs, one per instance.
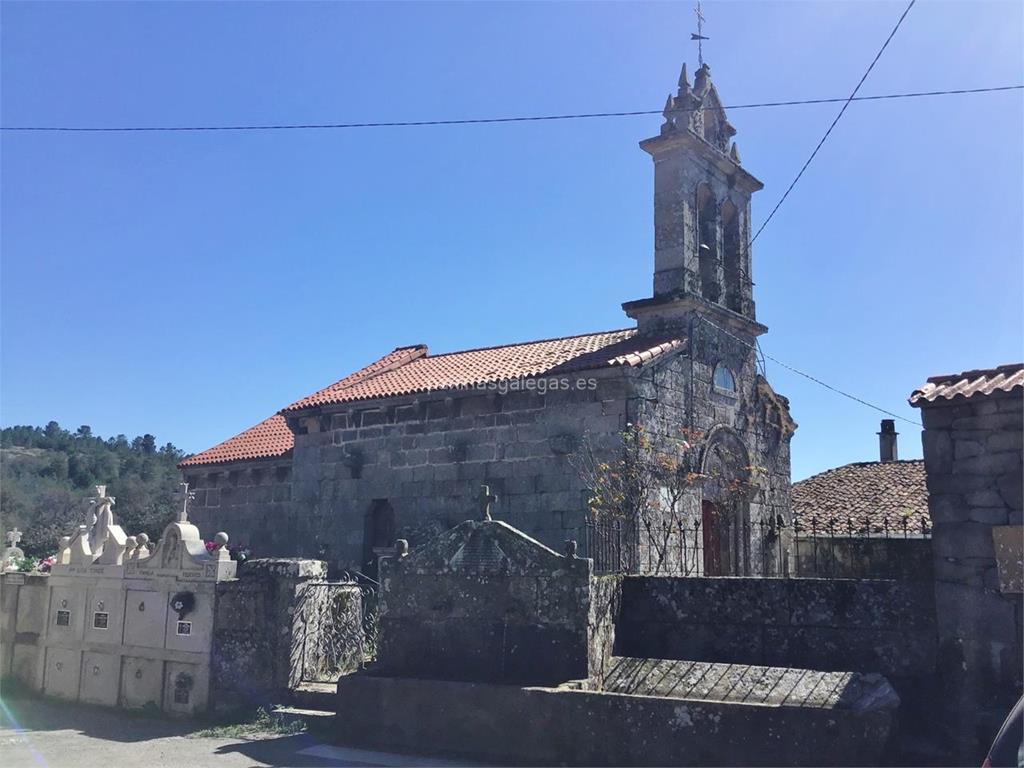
{"points": [[887, 441]]}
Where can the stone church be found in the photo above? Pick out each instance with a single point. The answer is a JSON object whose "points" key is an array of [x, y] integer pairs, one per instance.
{"points": [[401, 448]]}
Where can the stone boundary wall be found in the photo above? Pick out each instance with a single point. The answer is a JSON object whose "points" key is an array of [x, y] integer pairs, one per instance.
{"points": [[264, 621], [509, 725], [867, 557], [856, 625]]}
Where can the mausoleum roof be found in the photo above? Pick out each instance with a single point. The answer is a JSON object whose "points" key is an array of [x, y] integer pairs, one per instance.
{"points": [[870, 496], [413, 370]]}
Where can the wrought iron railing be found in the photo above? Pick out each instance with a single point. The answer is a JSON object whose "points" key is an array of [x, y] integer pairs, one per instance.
{"points": [[873, 546], [338, 622]]}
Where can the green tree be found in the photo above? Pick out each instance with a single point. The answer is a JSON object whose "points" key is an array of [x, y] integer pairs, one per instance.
{"points": [[47, 475]]}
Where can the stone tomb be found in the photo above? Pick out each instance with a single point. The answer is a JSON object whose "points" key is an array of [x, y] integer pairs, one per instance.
{"points": [[493, 646], [485, 603], [126, 626]]}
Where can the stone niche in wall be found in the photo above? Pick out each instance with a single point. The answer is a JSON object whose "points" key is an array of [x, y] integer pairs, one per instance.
{"points": [[126, 626], [484, 602]]}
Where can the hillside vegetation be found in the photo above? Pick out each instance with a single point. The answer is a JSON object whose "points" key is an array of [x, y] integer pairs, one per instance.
{"points": [[47, 475]]}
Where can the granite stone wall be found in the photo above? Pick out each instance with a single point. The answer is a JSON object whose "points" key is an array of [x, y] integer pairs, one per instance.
{"points": [[842, 557], [264, 630], [507, 724], [365, 474], [857, 625], [484, 602], [973, 463], [250, 499], [412, 467], [678, 398]]}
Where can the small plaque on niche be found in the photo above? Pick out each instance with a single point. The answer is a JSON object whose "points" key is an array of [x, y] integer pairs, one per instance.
{"points": [[100, 619], [184, 628], [63, 618]]}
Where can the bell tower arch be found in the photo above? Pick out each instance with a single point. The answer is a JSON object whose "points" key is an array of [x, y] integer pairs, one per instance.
{"points": [[701, 216]]}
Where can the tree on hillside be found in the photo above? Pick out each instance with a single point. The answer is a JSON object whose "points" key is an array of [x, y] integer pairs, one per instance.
{"points": [[48, 474]]}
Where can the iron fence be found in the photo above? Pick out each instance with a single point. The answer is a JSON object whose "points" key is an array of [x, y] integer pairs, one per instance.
{"points": [[852, 547], [338, 625]]}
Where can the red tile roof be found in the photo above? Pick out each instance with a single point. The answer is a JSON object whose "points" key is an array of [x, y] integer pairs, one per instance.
{"points": [[1005, 378], [412, 370], [268, 439], [867, 497]]}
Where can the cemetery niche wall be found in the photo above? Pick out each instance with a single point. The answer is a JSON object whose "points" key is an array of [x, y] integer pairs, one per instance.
{"points": [[115, 623]]}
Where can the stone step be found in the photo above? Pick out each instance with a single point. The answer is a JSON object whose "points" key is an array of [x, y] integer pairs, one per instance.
{"points": [[315, 696]]}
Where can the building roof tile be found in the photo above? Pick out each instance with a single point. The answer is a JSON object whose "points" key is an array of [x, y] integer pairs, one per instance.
{"points": [[412, 370], [988, 381], [866, 497], [271, 438]]}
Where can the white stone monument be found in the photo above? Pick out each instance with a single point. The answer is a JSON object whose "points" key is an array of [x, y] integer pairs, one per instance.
{"points": [[13, 553]]}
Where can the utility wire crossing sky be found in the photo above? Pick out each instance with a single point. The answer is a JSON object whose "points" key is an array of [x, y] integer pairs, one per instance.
{"points": [[485, 120]]}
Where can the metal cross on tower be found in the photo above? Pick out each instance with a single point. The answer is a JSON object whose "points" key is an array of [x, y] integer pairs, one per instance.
{"points": [[699, 34]]}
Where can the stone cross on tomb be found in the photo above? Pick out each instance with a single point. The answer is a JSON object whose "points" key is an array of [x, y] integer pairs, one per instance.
{"points": [[13, 537], [486, 499], [188, 496]]}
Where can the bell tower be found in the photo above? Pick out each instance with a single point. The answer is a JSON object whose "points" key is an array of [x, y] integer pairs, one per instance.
{"points": [[701, 215]]}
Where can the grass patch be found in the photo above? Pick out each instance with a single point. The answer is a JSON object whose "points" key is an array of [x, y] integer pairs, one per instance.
{"points": [[259, 723]]}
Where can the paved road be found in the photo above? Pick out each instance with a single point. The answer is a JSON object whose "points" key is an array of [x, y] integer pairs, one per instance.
{"points": [[39, 733]]}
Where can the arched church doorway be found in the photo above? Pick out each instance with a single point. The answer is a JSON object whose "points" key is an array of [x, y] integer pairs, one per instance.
{"points": [[725, 506], [711, 528]]}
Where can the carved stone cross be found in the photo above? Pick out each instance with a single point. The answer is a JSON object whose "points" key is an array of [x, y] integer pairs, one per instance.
{"points": [[188, 496], [14, 536], [486, 499]]}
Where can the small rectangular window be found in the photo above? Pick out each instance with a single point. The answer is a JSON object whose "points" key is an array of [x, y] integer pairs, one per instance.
{"points": [[99, 620], [63, 618], [184, 628]]}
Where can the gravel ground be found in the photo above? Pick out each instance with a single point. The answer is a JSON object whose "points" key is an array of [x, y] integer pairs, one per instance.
{"points": [[47, 734]]}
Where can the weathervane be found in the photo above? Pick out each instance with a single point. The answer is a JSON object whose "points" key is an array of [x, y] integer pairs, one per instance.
{"points": [[699, 34]]}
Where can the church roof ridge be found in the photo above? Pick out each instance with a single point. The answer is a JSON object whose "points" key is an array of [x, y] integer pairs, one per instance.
{"points": [[630, 331]]}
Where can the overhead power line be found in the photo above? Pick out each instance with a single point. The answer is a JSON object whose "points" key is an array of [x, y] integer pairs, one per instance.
{"points": [[852, 98], [487, 120], [757, 347]]}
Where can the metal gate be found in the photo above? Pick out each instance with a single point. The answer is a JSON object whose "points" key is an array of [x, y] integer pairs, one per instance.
{"points": [[338, 626]]}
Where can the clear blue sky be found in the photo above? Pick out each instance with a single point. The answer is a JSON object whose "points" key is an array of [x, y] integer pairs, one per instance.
{"points": [[191, 284]]}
